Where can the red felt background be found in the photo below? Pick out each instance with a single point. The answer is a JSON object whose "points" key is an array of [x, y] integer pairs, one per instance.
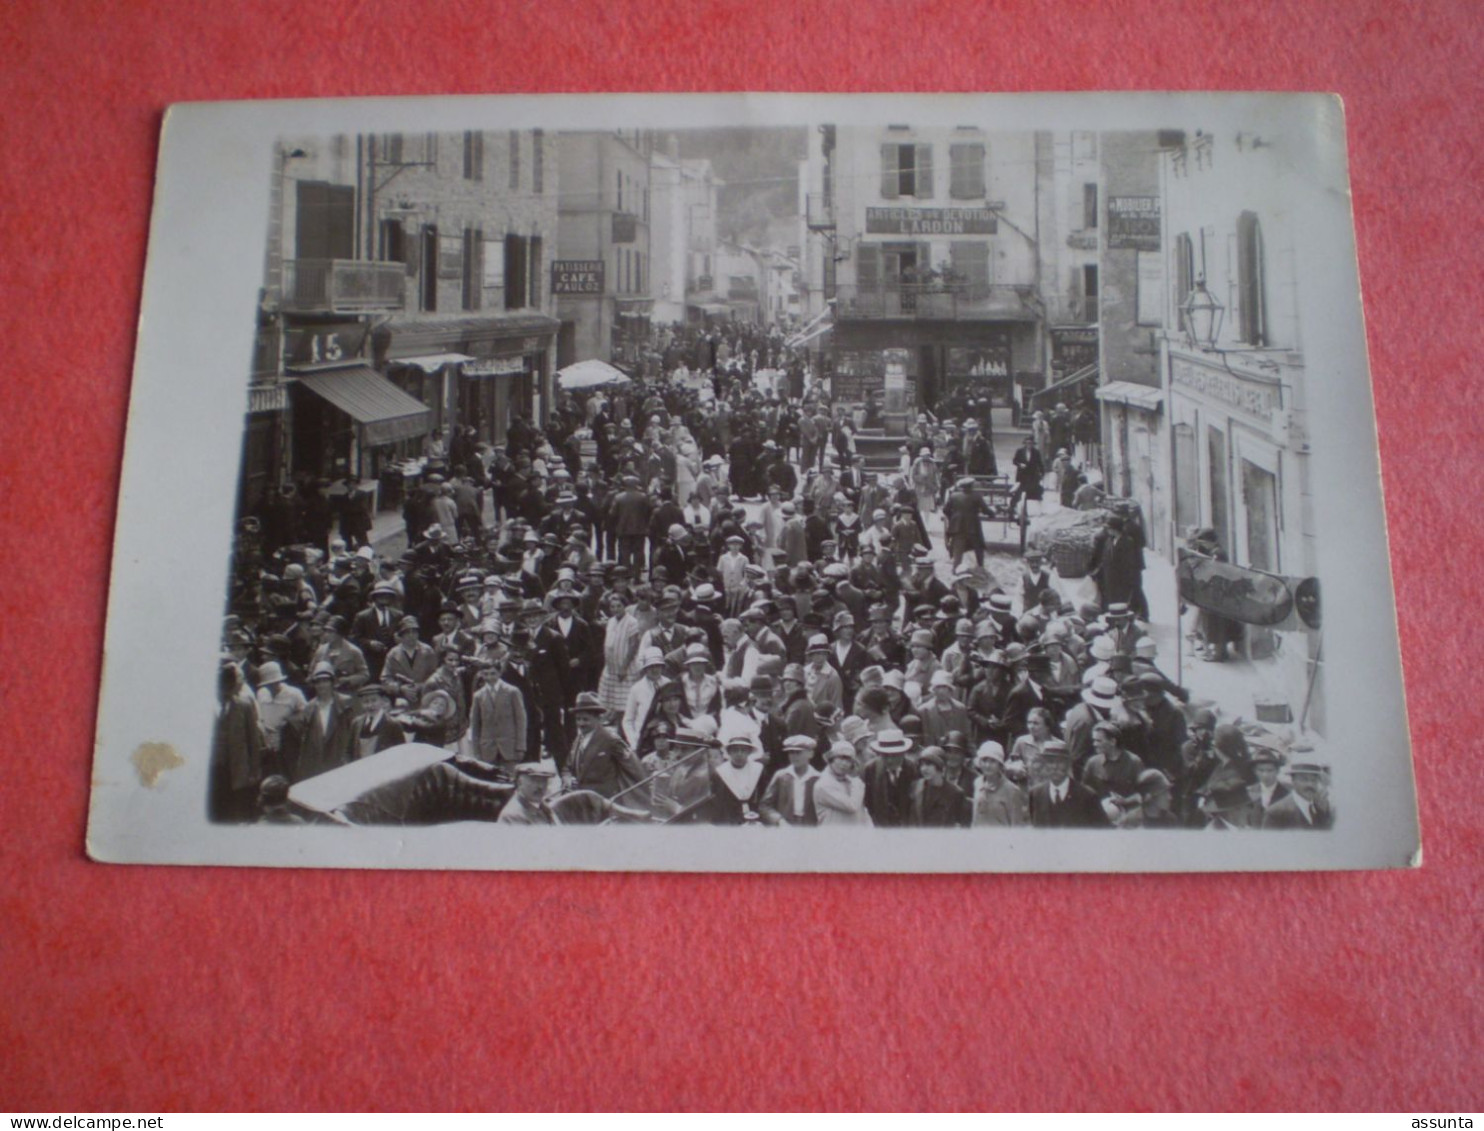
{"points": [[154, 988]]}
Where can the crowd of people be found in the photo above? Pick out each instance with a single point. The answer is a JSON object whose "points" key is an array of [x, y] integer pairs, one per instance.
{"points": [[684, 600]]}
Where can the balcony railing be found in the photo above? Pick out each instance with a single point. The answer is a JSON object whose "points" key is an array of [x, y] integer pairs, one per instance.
{"points": [[940, 302], [819, 212], [342, 286]]}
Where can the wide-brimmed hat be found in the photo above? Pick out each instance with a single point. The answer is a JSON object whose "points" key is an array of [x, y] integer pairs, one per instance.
{"points": [[889, 742], [1103, 693]]}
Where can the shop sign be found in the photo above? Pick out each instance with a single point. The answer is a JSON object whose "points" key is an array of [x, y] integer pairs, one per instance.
{"points": [[267, 398], [1072, 349], [494, 367], [1255, 398], [933, 221], [330, 344], [1133, 223], [577, 277]]}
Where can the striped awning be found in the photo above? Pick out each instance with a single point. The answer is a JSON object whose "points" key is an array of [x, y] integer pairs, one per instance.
{"points": [[383, 413]]}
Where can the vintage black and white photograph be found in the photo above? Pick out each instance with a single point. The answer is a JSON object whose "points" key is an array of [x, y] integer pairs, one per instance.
{"points": [[931, 483]]}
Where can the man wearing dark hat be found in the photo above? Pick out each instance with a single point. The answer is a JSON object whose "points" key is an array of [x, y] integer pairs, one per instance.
{"points": [[374, 730], [528, 805], [344, 657], [374, 629], [628, 514], [1268, 790], [962, 522], [600, 760], [1059, 802], [580, 643]]}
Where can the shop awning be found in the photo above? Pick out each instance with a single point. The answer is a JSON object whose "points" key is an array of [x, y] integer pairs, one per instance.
{"points": [[1132, 394], [805, 339], [384, 413], [432, 362], [1086, 373]]}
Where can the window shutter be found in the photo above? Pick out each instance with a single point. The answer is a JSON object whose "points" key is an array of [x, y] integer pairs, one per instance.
{"points": [[868, 266], [971, 261], [966, 172], [515, 159], [534, 275], [1184, 276], [538, 161], [889, 171], [1249, 279], [924, 154]]}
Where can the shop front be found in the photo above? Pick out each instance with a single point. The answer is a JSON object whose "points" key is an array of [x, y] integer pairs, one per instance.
{"points": [[351, 421], [945, 363], [474, 372]]}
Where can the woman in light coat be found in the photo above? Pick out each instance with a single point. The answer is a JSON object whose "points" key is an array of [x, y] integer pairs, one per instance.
{"points": [[839, 793], [925, 481], [687, 471]]}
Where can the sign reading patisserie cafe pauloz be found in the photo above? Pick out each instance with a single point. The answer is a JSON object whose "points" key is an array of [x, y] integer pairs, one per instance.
{"points": [[933, 221], [577, 277]]}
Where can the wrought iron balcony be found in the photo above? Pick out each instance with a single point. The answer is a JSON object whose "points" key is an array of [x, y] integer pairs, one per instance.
{"points": [[343, 286], [933, 302]]}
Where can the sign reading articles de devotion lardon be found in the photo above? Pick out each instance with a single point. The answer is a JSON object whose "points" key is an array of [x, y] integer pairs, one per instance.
{"points": [[908, 483]]}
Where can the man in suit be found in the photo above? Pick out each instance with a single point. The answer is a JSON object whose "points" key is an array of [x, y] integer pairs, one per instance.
{"points": [[374, 730], [538, 664], [1308, 806], [452, 635], [498, 727], [600, 760], [789, 797], [582, 645], [667, 635], [1060, 802], [889, 780], [317, 738], [374, 629], [628, 516], [1268, 790], [961, 522], [237, 768]]}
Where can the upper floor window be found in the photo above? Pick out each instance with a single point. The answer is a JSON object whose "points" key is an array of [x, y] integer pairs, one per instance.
{"points": [[473, 155], [1251, 289], [538, 161], [966, 171], [906, 170]]}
